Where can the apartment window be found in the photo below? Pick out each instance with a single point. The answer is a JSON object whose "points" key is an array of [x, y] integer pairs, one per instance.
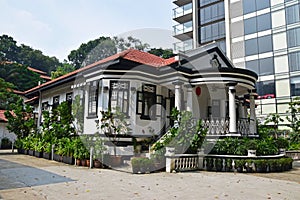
{"points": [[253, 65], [266, 87], [292, 14], [93, 99], [295, 86], [262, 66], [250, 25], [55, 102], [119, 96], [266, 66], [294, 61], [146, 101], [251, 47], [205, 2], [257, 24], [250, 6], [213, 32], [293, 37], [265, 44], [212, 13]]}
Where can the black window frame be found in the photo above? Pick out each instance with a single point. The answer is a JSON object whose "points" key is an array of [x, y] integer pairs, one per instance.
{"points": [[146, 111], [123, 100], [93, 99], [55, 102]]}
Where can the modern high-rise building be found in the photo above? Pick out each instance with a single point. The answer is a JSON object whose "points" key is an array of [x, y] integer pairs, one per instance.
{"points": [[260, 35]]}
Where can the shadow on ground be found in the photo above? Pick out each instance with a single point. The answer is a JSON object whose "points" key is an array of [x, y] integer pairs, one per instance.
{"points": [[14, 175]]}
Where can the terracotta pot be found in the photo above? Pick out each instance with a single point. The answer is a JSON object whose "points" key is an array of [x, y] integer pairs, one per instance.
{"points": [[97, 164], [78, 162], [83, 162], [88, 162]]}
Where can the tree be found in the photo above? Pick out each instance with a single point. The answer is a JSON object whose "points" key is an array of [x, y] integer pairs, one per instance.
{"points": [[20, 119], [294, 118], [275, 119], [7, 96], [65, 68], [101, 48], [25, 55], [19, 75], [163, 53]]}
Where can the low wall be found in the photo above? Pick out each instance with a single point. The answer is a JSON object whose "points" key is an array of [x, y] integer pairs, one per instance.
{"points": [[295, 155]]}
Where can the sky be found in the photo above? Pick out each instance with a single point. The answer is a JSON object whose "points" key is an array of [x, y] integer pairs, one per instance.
{"points": [[58, 26]]}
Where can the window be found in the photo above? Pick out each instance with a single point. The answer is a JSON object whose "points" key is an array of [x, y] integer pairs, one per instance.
{"points": [[292, 14], [250, 25], [146, 101], [212, 13], [251, 47], [293, 37], [295, 86], [294, 61], [93, 99], [205, 2], [250, 6], [264, 22], [213, 32], [265, 44], [119, 96], [69, 98], [261, 67], [266, 66], [265, 87], [55, 102], [45, 106]]}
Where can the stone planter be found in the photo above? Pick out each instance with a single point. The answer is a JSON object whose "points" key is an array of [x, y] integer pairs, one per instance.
{"points": [[251, 153], [38, 154], [31, 152], [170, 151], [47, 155]]}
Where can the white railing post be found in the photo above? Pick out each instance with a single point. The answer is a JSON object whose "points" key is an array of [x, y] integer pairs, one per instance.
{"points": [[91, 157]]}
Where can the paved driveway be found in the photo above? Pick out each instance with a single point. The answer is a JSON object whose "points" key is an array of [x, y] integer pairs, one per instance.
{"points": [[25, 177]]}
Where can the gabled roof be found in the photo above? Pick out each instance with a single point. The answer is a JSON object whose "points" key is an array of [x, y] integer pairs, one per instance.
{"points": [[37, 71], [130, 54]]}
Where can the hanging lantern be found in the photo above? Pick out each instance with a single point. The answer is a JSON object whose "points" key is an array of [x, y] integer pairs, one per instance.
{"points": [[198, 91]]}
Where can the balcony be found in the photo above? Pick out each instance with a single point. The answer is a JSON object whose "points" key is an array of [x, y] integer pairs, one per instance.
{"points": [[183, 31], [183, 14], [182, 2], [183, 46]]}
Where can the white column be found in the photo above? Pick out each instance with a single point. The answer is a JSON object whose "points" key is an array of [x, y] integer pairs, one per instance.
{"points": [[252, 127], [189, 98], [241, 109], [178, 95], [195, 24], [232, 110]]}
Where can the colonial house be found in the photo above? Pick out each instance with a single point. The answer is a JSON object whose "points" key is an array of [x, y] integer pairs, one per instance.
{"points": [[145, 88]]}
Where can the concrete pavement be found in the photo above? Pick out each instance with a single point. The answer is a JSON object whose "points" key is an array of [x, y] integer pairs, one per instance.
{"points": [[26, 177]]}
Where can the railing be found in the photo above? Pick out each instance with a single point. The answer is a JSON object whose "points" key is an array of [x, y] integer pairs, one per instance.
{"points": [[182, 162], [183, 10], [183, 46], [183, 28], [243, 126], [216, 126]]}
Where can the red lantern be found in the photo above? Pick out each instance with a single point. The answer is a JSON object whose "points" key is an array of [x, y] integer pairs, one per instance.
{"points": [[198, 91]]}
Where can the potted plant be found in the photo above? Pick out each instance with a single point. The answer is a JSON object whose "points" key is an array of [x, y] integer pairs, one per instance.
{"points": [[38, 148], [47, 150], [239, 165], [19, 145], [141, 165], [99, 148], [273, 165], [249, 165], [68, 151], [209, 164], [219, 164], [228, 165], [260, 165]]}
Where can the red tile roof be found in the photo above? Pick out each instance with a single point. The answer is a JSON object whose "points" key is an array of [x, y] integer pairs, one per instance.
{"points": [[31, 100], [130, 54], [36, 71], [2, 116]]}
